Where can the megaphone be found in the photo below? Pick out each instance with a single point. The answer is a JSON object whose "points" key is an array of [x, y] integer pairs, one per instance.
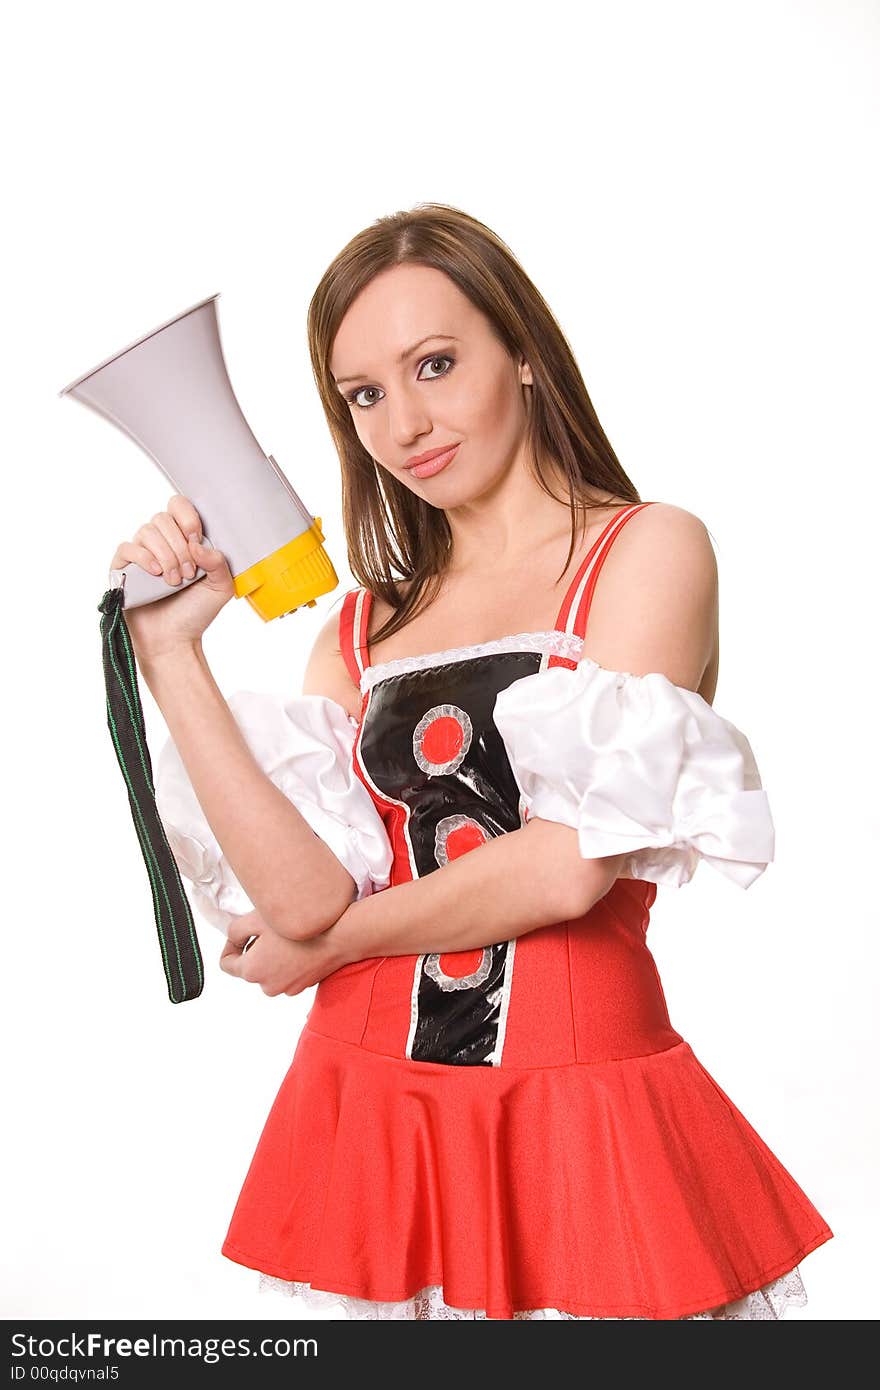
{"points": [[171, 393]]}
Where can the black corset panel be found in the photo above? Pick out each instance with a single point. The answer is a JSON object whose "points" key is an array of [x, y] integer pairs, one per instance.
{"points": [[429, 740]]}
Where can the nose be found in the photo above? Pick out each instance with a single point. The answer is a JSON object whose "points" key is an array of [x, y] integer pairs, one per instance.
{"points": [[408, 418]]}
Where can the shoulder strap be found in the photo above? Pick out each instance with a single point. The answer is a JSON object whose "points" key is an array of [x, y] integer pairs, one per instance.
{"points": [[573, 613], [354, 622]]}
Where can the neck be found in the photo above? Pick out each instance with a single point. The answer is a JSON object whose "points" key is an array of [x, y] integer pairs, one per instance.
{"points": [[509, 523]]}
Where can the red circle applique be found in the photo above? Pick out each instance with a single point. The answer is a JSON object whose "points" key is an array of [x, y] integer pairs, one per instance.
{"points": [[455, 965], [456, 835], [475, 968], [441, 739], [459, 841]]}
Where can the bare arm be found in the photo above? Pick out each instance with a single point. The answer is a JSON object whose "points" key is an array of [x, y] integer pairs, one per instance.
{"points": [[654, 610], [283, 866], [513, 884]]}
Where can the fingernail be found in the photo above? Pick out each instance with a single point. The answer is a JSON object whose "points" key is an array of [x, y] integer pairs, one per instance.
{"points": [[189, 569], [174, 576]]}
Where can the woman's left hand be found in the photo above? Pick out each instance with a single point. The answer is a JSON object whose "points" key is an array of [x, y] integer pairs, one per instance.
{"points": [[276, 963]]}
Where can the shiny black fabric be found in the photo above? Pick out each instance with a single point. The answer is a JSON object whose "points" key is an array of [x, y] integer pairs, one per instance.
{"points": [[456, 1018]]}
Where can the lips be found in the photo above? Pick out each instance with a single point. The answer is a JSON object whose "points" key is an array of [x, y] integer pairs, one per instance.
{"points": [[428, 455], [435, 461]]}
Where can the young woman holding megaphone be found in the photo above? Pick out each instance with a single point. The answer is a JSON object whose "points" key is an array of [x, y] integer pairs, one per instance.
{"points": [[489, 1113]]}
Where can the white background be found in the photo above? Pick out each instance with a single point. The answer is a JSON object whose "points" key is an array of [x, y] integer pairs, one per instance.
{"points": [[692, 186]]}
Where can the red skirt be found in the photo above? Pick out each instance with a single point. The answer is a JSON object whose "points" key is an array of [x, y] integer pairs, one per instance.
{"points": [[613, 1189]]}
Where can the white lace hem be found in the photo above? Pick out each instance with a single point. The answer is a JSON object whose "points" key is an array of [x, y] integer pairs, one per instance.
{"points": [[552, 642], [766, 1304]]}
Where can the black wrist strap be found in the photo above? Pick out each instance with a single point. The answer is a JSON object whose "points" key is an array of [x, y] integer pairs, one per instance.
{"points": [[184, 971]]}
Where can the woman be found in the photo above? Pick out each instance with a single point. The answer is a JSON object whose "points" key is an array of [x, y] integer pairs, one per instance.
{"points": [[489, 1112]]}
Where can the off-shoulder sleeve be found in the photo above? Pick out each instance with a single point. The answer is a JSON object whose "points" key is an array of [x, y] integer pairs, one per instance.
{"points": [[638, 766], [304, 744]]}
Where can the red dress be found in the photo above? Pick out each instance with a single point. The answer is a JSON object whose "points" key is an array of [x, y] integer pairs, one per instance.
{"points": [[521, 1124]]}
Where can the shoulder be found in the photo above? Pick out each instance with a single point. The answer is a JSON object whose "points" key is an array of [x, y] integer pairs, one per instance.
{"points": [[665, 544], [663, 529], [656, 598], [326, 671]]}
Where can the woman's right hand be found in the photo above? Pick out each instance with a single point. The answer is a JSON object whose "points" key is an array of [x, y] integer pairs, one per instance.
{"points": [[170, 545]]}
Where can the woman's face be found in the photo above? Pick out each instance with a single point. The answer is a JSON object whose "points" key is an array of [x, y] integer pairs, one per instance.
{"points": [[421, 369]]}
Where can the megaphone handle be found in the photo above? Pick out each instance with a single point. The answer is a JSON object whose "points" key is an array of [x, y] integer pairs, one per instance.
{"points": [[140, 587]]}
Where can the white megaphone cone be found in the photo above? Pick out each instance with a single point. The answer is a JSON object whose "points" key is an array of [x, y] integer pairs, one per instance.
{"points": [[170, 392]]}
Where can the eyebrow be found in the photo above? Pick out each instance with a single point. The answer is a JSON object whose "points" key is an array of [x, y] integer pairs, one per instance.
{"points": [[407, 352]]}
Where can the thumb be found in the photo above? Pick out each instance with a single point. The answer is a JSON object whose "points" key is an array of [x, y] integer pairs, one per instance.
{"points": [[213, 562], [241, 929]]}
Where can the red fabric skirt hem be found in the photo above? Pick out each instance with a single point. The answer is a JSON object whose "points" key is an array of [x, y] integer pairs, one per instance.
{"points": [[630, 1188], [561, 1301]]}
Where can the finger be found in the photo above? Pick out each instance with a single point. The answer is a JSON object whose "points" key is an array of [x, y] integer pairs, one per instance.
{"points": [[240, 931], [175, 538], [190, 523], [185, 514], [244, 964], [218, 575], [239, 956], [212, 561], [230, 949], [231, 961], [251, 968], [155, 539], [129, 552]]}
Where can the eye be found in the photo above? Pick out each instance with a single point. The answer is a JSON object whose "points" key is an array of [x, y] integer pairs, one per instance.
{"points": [[352, 397], [429, 362]]}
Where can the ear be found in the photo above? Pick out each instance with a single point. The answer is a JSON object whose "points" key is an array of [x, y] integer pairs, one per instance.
{"points": [[525, 374]]}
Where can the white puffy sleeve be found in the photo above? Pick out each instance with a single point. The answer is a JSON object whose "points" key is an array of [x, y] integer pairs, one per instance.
{"points": [[638, 766], [304, 744]]}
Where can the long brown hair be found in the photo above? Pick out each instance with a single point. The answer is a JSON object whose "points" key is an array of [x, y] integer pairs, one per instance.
{"points": [[391, 533]]}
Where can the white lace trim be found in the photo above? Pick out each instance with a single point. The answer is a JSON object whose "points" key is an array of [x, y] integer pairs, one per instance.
{"points": [[766, 1304], [553, 642]]}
